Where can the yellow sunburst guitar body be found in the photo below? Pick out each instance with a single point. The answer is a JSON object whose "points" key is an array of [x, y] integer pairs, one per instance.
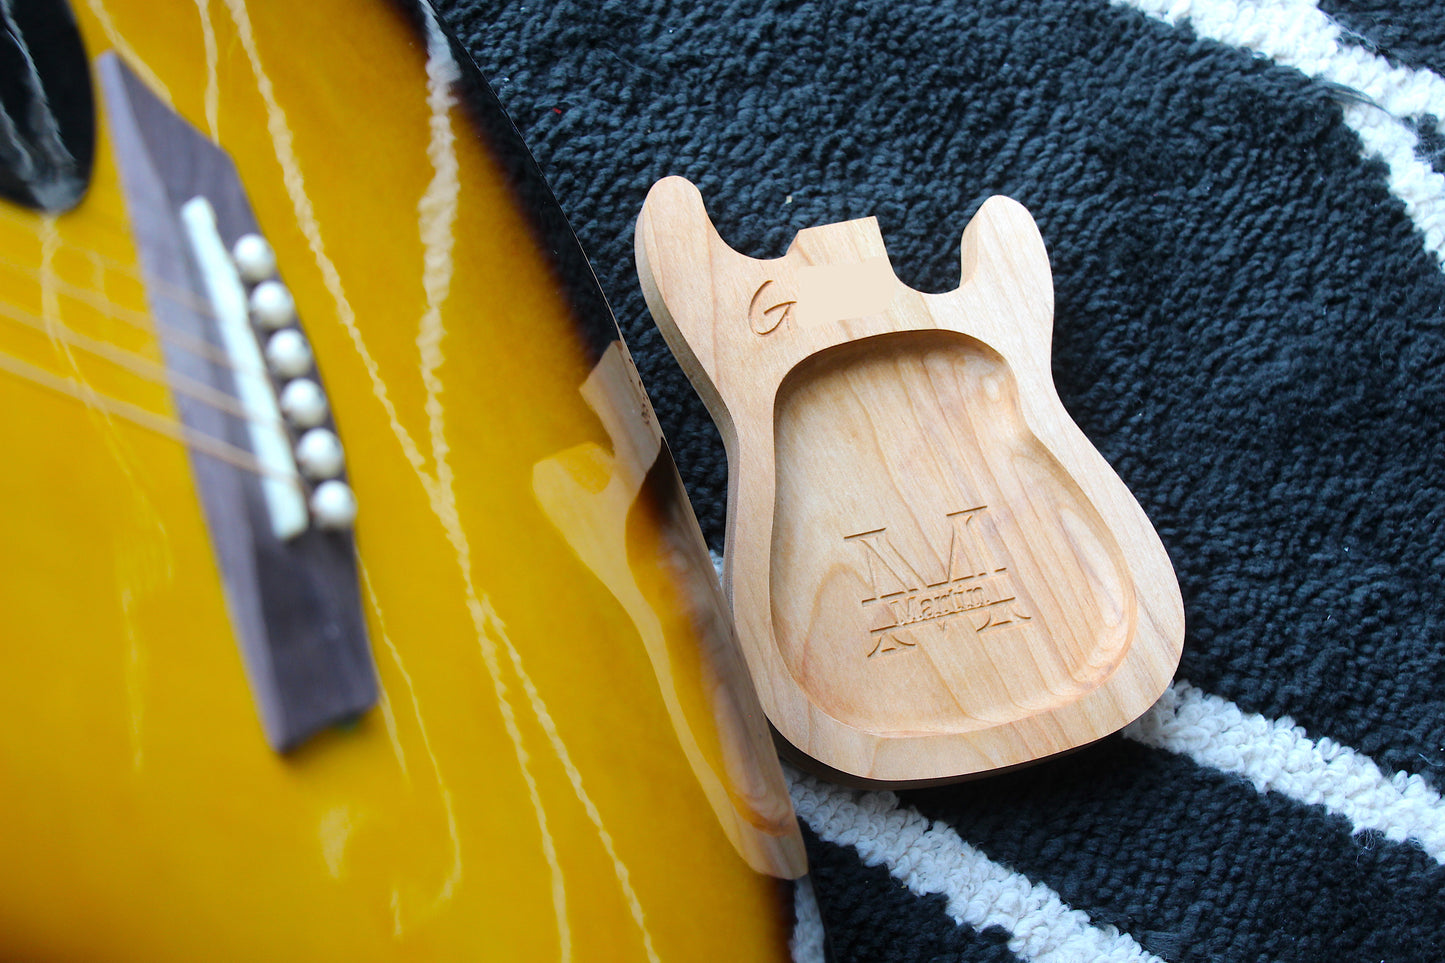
{"points": [[495, 717]]}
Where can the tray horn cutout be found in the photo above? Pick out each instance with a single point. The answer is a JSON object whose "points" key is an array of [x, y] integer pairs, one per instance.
{"points": [[933, 572]]}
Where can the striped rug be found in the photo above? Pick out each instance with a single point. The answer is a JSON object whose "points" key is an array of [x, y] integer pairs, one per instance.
{"points": [[1244, 204]]}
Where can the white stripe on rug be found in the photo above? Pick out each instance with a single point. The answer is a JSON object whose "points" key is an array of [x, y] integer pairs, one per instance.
{"points": [[1296, 33], [1275, 755], [930, 857], [809, 942]]}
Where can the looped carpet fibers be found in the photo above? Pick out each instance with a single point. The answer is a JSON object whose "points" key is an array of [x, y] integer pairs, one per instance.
{"points": [[1245, 213]]}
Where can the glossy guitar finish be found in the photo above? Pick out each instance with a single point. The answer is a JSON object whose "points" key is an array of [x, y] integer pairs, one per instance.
{"points": [[560, 766]]}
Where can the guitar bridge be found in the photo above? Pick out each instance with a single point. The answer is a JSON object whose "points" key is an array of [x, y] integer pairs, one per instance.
{"points": [[270, 472]]}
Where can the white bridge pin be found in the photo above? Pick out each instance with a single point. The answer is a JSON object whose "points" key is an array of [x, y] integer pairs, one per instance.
{"points": [[255, 261], [287, 354], [272, 305], [319, 454], [333, 505], [303, 403]]}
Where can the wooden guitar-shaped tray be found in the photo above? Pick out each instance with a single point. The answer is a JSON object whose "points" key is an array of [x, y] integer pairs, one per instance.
{"points": [[933, 572]]}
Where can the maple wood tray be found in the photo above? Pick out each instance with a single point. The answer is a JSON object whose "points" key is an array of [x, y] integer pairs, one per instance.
{"points": [[933, 572]]}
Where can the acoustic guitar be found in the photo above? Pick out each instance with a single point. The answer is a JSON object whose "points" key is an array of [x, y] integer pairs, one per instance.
{"points": [[352, 607]]}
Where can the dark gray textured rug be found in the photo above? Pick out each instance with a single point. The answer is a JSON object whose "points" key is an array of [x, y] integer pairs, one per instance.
{"points": [[1245, 211]]}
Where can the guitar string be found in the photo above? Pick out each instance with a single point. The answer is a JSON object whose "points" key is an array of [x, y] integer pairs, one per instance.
{"points": [[159, 287], [141, 417], [149, 324], [90, 217], [139, 320], [100, 262], [138, 365], [134, 272], [146, 369], [84, 219]]}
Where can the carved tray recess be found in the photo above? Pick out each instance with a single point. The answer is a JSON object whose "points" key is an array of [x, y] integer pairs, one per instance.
{"points": [[933, 572]]}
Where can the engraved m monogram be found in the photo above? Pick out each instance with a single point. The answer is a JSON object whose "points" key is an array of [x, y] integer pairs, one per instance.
{"points": [[966, 578], [890, 573]]}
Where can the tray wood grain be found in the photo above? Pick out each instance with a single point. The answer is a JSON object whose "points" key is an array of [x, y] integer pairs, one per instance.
{"points": [[933, 571]]}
